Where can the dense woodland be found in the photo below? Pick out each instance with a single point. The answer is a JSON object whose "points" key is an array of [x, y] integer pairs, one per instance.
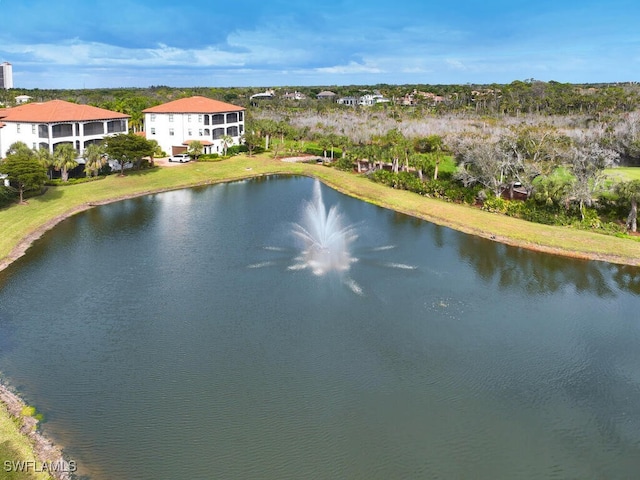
{"points": [[516, 98], [546, 144]]}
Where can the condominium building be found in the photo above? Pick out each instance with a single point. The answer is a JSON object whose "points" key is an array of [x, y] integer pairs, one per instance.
{"points": [[6, 75], [176, 124], [47, 124]]}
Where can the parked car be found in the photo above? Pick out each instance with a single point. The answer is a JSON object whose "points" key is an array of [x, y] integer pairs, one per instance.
{"points": [[180, 157]]}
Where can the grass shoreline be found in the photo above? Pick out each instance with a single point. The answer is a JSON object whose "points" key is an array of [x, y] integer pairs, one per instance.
{"points": [[23, 224]]}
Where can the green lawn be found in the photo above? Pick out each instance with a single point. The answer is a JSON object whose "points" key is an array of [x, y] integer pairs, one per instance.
{"points": [[624, 173], [15, 447]]}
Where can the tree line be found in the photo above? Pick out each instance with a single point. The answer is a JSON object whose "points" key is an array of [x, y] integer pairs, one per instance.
{"points": [[516, 98], [558, 173]]}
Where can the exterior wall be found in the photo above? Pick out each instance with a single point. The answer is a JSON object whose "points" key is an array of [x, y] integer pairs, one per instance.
{"points": [[171, 131], [348, 101], [36, 135]]}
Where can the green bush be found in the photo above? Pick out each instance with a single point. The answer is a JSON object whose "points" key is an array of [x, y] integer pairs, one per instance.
{"points": [[382, 176], [314, 150], [57, 182], [7, 195], [344, 164], [495, 204], [445, 189], [208, 157], [236, 149]]}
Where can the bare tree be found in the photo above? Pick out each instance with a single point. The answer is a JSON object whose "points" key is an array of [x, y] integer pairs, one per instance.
{"points": [[483, 161], [587, 164], [533, 151]]}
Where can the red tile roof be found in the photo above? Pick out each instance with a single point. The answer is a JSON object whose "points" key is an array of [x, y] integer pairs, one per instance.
{"points": [[194, 105], [57, 111]]}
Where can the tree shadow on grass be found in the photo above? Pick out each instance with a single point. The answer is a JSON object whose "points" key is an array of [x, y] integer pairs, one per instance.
{"points": [[137, 173], [47, 194]]}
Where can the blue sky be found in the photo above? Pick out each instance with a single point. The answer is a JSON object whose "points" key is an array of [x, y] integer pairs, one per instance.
{"points": [[134, 43]]}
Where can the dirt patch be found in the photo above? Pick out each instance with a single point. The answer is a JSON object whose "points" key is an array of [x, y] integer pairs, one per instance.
{"points": [[164, 162], [302, 158]]}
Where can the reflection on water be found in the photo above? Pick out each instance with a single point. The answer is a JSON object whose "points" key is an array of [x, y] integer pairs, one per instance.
{"points": [[164, 356], [536, 272]]}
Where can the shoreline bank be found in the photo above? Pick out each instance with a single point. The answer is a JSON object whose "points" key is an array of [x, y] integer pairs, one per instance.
{"points": [[47, 455]]}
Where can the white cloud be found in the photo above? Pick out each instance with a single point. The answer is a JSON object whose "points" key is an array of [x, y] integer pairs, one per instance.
{"points": [[456, 64], [351, 68]]}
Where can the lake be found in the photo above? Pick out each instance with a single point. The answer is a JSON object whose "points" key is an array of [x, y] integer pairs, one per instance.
{"points": [[188, 334]]}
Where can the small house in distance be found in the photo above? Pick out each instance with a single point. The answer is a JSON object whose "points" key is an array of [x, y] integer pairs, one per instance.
{"points": [[348, 101], [20, 99], [267, 94], [326, 95], [174, 125]]}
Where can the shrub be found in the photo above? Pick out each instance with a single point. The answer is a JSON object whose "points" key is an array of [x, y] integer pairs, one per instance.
{"points": [[314, 150], [236, 149], [495, 204], [57, 182], [7, 195], [382, 176], [344, 164], [209, 157]]}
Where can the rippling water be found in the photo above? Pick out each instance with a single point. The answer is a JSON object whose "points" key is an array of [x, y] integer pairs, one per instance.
{"points": [[174, 341]]}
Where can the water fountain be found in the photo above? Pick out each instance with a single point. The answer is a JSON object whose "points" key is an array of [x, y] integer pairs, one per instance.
{"points": [[326, 241]]}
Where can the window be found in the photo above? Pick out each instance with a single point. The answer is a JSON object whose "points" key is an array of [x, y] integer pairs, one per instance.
{"points": [[171, 132], [200, 132], [152, 117], [240, 116], [33, 128], [153, 131], [18, 127], [199, 118], [189, 118], [189, 132], [171, 117]]}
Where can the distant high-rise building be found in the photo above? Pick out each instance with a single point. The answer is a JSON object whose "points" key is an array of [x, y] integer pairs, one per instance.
{"points": [[6, 75]]}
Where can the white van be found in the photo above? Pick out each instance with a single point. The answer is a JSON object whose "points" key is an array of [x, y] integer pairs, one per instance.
{"points": [[180, 157]]}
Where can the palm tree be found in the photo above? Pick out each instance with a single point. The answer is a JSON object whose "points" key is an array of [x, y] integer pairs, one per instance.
{"points": [[46, 159], [156, 151], [136, 121], [64, 159], [195, 149], [227, 141], [94, 158]]}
